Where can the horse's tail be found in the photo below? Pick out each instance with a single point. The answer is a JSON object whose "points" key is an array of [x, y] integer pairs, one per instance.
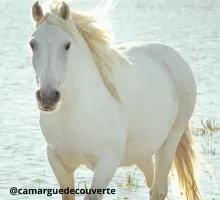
{"points": [[183, 164]]}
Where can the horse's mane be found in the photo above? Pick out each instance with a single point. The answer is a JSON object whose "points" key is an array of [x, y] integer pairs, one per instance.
{"points": [[97, 38]]}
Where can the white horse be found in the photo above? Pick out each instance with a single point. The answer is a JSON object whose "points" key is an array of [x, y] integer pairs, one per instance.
{"points": [[104, 105]]}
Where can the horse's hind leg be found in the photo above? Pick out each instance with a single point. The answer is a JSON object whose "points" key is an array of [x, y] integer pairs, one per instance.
{"points": [[186, 92], [147, 167], [163, 163]]}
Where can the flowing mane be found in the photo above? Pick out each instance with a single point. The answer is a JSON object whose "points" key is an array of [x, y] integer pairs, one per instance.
{"points": [[97, 38]]}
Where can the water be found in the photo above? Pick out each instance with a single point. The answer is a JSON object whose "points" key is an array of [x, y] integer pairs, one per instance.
{"points": [[190, 26]]}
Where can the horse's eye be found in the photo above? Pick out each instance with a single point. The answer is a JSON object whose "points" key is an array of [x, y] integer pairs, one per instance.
{"points": [[32, 45], [67, 46]]}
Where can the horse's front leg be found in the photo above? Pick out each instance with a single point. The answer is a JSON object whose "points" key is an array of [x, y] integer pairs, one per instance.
{"points": [[104, 171], [64, 177]]}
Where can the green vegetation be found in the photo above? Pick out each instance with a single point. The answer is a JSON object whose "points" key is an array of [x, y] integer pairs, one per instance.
{"points": [[208, 128], [130, 182]]}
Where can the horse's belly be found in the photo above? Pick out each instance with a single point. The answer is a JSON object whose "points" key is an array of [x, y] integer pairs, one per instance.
{"points": [[143, 144], [144, 141], [149, 127]]}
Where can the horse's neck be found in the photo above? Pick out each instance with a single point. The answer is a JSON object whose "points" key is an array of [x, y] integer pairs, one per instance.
{"points": [[82, 75]]}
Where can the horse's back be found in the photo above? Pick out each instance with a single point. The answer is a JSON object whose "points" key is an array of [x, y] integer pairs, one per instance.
{"points": [[157, 64], [151, 94], [165, 54]]}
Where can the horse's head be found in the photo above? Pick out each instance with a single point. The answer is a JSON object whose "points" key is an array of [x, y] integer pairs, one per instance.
{"points": [[68, 49], [50, 46]]}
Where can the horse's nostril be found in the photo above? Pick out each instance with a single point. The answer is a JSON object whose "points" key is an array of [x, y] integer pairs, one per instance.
{"points": [[56, 96], [47, 97], [38, 96]]}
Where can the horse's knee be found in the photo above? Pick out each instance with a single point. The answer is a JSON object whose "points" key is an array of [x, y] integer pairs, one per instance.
{"points": [[149, 182], [158, 192], [68, 197], [149, 176], [148, 170]]}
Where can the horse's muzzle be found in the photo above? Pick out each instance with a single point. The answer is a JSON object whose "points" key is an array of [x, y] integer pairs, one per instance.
{"points": [[47, 100]]}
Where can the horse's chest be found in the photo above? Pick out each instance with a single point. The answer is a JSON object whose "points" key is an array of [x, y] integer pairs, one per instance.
{"points": [[71, 148], [78, 134], [67, 136]]}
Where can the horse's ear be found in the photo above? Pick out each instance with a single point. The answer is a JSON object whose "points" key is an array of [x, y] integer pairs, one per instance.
{"points": [[65, 11], [37, 12]]}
